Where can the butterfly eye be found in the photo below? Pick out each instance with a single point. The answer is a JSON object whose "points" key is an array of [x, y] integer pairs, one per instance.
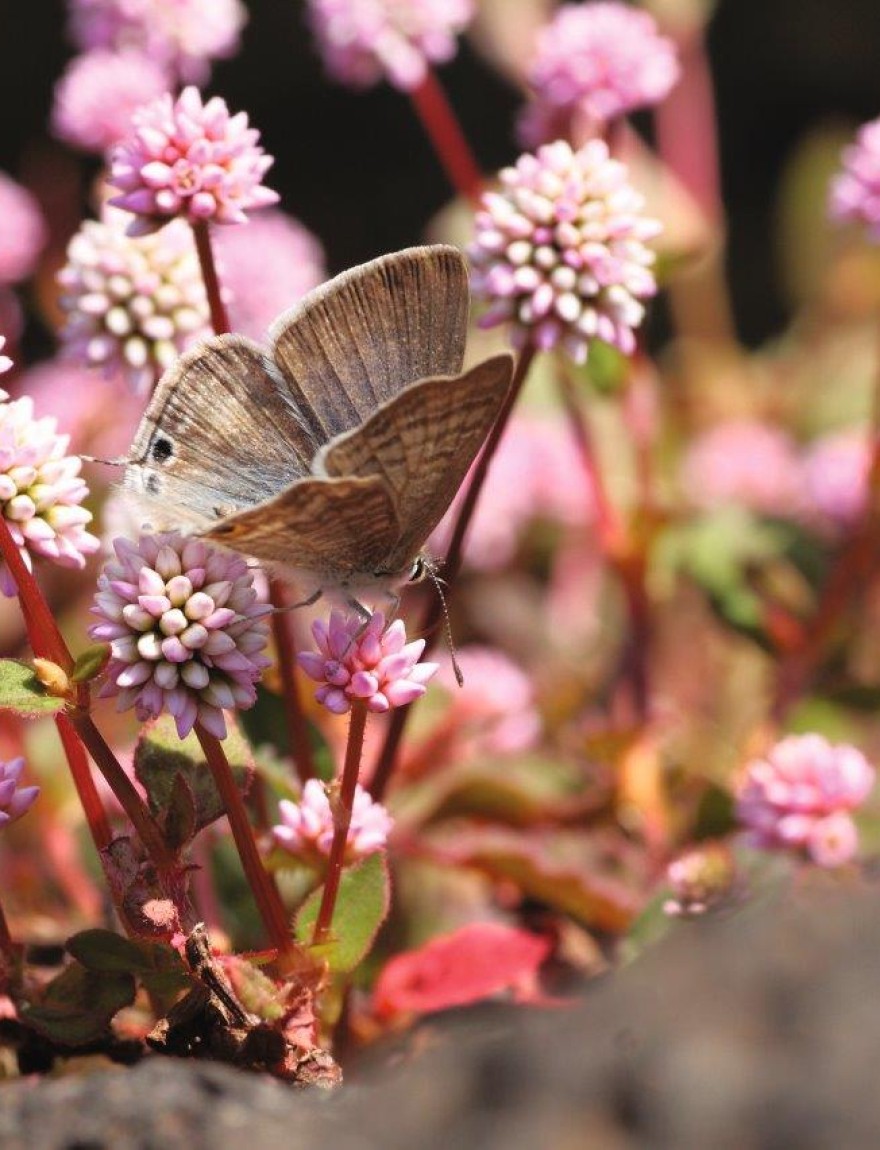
{"points": [[161, 449]]}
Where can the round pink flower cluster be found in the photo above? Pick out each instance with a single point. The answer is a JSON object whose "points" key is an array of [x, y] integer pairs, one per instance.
{"points": [[560, 251], [99, 93], [497, 701], [366, 663], [835, 477], [306, 827], [364, 41], [801, 794], [597, 61], [266, 267], [22, 231], [41, 490], [133, 304], [746, 462], [185, 158], [855, 192], [14, 799], [181, 36], [185, 631]]}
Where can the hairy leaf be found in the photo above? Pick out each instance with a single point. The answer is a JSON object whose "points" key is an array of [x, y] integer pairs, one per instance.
{"points": [[78, 1005], [361, 908], [22, 692]]}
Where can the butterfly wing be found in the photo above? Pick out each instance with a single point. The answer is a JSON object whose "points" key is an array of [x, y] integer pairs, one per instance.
{"points": [[355, 342], [421, 444], [220, 433], [337, 528]]}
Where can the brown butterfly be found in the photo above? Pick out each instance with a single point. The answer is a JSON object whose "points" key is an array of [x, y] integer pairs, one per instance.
{"points": [[337, 450]]}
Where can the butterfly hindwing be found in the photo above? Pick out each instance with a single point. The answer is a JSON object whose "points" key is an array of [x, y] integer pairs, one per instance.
{"points": [[354, 343]]}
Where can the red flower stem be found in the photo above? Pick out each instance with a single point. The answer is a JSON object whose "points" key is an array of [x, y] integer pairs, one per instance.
{"points": [[45, 638], [342, 809], [205, 249], [434, 612], [297, 728], [447, 138], [265, 894], [96, 816]]}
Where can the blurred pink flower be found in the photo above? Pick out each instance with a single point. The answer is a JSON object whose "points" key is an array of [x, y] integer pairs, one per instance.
{"points": [[98, 94], [497, 701], [364, 41], [535, 474], [14, 799], [185, 630], [5, 363], [306, 827], [835, 477], [266, 267], [800, 795], [560, 251], [189, 159], [699, 879], [598, 61], [743, 462], [133, 304], [855, 191], [41, 490], [365, 662], [23, 231], [180, 36]]}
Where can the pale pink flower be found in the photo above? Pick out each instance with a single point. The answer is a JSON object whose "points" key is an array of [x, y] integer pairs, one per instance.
{"points": [[561, 251], [133, 304], [15, 800], [266, 267], [180, 36], [700, 879], [99, 92], [743, 462], [497, 701], [597, 61], [41, 490], [800, 795], [365, 662], [5, 363], [364, 41], [835, 477], [855, 191], [23, 231], [189, 159], [185, 630], [306, 827]]}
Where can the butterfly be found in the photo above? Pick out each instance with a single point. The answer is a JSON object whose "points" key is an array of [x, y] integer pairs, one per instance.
{"points": [[335, 451]]}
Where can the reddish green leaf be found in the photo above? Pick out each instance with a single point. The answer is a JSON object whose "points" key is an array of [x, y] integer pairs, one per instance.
{"points": [[361, 908], [78, 1005]]}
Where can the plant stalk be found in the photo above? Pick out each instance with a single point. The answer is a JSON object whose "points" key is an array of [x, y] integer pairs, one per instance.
{"points": [[205, 250], [443, 129]]}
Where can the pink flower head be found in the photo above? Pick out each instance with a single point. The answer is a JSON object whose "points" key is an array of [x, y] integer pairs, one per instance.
{"points": [[180, 36], [306, 827], [41, 490], [133, 304], [743, 462], [23, 231], [185, 158], [560, 251], [5, 364], [267, 266], [700, 879], [14, 800], [835, 477], [364, 41], [597, 61], [365, 662], [497, 700], [855, 192], [99, 92], [800, 795], [185, 631]]}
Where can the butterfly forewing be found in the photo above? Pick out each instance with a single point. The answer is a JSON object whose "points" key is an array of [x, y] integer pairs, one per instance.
{"points": [[421, 444], [219, 434], [354, 343]]}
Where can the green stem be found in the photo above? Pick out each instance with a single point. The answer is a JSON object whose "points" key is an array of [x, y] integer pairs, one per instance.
{"points": [[342, 809]]}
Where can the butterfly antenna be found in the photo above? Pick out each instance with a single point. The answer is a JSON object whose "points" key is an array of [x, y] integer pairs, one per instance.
{"points": [[108, 462], [447, 625]]}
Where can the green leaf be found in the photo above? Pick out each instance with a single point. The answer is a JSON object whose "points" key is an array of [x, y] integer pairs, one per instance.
{"points": [[361, 908], [265, 724], [22, 692], [78, 1005], [161, 758], [90, 662], [606, 367], [156, 965]]}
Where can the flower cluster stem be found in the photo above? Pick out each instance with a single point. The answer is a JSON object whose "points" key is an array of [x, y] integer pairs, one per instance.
{"points": [[342, 809], [297, 728], [265, 893], [205, 250], [448, 140], [86, 790]]}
